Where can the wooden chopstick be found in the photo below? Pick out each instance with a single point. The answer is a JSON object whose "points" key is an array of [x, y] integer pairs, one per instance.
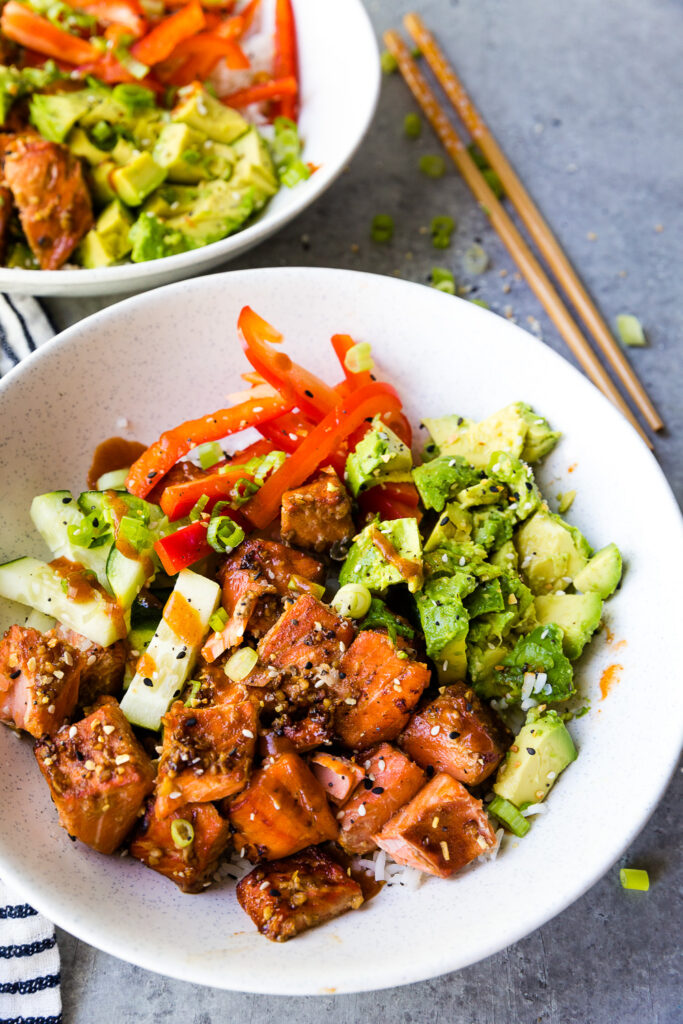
{"points": [[532, 218], [519, 250]]}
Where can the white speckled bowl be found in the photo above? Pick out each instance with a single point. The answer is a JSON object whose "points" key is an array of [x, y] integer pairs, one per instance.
{"points": [[172, 354], [340, 76]]}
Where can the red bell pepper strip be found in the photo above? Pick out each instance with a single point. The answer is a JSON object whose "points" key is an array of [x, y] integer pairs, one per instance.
{"points": [[22, 26], [288, 431], [286, 60], [153, 464], [249, 13], [183, 548], [342, 343], [323, 440], [273, 90], [178, 500], [231, 28], [160, 43], [391, 501], [297, 385], [126, 13], [201, 53]]}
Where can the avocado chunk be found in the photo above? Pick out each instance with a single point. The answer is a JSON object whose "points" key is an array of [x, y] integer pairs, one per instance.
{"points": [[515, 429], [484, 492], [536, 668], [254, 168], [100, 181], [523, 495], [505, 557], [11, 89], [442, 613], [540, 439], [189, 156], [542, 749], [451, 665], [366, 563], [54, 115], [152, 238], [454, 524], [82, 146], [517, 613], [492, 528], [198, 109], [217, 211], [380, 452], [577, 615], [136, 180], [551, 553], [482, 662], [488, 597], [441, 479], [602, 573], [108, 241]]}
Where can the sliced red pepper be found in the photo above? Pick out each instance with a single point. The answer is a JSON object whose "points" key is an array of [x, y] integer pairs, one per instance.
{"points": [[297, 385], [183, 548], [21, 25], [288, 431], [249, 13], [201, 53], [126, 13], [160, 43], [286, 60], [178, 500], [273, 90], [173, 444], [231, 28], [391, 501], [316, 449], [342, 343]]}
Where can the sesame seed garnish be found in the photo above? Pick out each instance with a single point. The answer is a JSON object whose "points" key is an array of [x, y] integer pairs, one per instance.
{"points": [[248, 733], [72, 731], [121, 758], [361, 810], [51, 709], [444, 850], [108, 729], [175, 795], [91, 660], [350, 700], [551, 776], [89, 765], [252, 816], [435, 730], [435, 821], [276, 805]]}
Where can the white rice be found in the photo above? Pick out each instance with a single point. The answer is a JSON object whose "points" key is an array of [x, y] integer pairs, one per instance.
{"points": [[534, 809], [258, 47]]}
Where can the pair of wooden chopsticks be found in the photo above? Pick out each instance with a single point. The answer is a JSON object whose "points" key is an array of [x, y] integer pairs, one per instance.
{"points": [[536, 277]]}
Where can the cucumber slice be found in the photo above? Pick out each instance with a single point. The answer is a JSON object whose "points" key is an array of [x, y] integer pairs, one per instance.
{"points": [[127, 576], [38, 585], [36, 620], [169, 660], [52, 514], [115, 480]]}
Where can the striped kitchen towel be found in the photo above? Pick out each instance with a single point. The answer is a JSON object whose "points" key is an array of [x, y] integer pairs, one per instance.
{"points": [[29, 958], [24, 326]]}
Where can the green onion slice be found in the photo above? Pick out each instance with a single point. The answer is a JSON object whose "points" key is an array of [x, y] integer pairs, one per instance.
{"points": [[240, 664], [631, 331], [634, 878], [412, 126], [432, 165], [195, 687], [382, 228], [494, 182], [443, 280], [475, 260], [224, 534], [209, 454], [218, 620], [388, 62], [352, 600], [135, 533], [359, 358], [198, 509], [442, 228], [182, 833], [509, 815], [306, 586]]}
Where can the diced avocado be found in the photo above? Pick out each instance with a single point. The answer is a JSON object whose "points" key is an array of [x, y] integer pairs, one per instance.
{"points": [[451, 665], [484, 492], [54, 115], [540, 439], [19, 255], [602, 573], [492, 528], [254, 168], [454, 523], [446, 433], [180, 151], [123, 152], [171, 200], [152, 238], [551, 553], [11, 89], [198, 109], [523, 494], [542, 749], [81, 145], [108, 241], [481, 662], [577, 615], [442, 613], [517, 613], [134, 182], [442, 478], [102, 105], [536, 666], [505, 556], [100, 179], [380, 452], [366, 564], [93, 253], [218, 211], [454, 557], [488, 597]]}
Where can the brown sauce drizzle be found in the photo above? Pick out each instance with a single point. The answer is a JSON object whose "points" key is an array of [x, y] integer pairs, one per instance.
{"points": [[114, 453], [81, 585], [407, 568]]}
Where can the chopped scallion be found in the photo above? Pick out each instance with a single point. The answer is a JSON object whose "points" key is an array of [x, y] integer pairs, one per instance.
{"points": [[634, 878], [195, 687], [353, 600], [209, 454], [306, 586], [359, 358], [442, 228], [480, 302], [135, 533], [443, 280], [296, 172], [382, 229], [196, 512], [388, 62], [566, 501], [182, 833], [475, 260], [223, 534], [631, 331], [509, 816], [494, 182], [218, 620], [433, 165], [412, 126], [240, 664]]}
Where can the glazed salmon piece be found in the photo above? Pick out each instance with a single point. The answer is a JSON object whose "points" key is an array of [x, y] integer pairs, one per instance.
{"points": [[337, 775], [39, 680], [98, 774], [384, 690], [191, 867], [51, 195], [207, 753], [308, 639], [442, 828], [315, 728], [285, 897], [282, 810], [457, 734], [102, 668], [389, 781], [318, 514]]}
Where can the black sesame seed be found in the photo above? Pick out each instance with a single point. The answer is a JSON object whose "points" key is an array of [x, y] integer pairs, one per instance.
{"points": [[367, 783], [180, 655], [189, 722], [309, 393], [147, 681], [444, 521], [468, 706], [152, 473], [429, 771], [66, 501], [453, 735], [15, 674], [530, 750], [378, 790]]}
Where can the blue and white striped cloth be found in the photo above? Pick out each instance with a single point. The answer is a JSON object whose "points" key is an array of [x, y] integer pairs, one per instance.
{"points": [[29, 957]]}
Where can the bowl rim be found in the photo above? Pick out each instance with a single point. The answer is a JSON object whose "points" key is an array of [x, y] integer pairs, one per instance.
{"points": [[55, 282], [443, 959]]}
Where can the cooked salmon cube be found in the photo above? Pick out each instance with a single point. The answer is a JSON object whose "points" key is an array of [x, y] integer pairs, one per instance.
{"points": [[384, 690], [190, 855], [315, 728], [308, 639], [390, 780], [318, 514], [207, 753], [457, 734], [98, 774], [282, 810], [102, 668], [288, 896], [337, 775], [39, 679], [50, 193], [442, 828]]}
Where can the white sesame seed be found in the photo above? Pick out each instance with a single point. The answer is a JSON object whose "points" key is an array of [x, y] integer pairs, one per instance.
{"points": [[350, 700], [248, 733], [108, 729], [51, 709], [381, 764], [361, 810], [551, 776], [435, 821], [444, 850], [121, 758], [435, 730], [276, 805], [175, 795], [90, 765], [252, 816], [264, 885], [72, 731]]}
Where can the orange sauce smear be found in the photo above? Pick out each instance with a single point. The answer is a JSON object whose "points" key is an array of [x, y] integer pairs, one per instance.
{"points": [[184, 620], [609, 677], [146, 666]]}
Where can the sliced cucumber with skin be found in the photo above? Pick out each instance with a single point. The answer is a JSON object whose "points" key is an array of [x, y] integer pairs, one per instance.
{"points": [[169, 660], [36, 620], [52, 514], [38, 585], [127, 576], [139, 639], [115, 480]]}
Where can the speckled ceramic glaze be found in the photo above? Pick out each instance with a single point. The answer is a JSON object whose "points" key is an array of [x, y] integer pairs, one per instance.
{"points": [[173, 354], [340, 74]]}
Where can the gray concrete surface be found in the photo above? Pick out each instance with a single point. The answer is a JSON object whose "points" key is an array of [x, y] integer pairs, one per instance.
{"points": [[586, 100]]}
